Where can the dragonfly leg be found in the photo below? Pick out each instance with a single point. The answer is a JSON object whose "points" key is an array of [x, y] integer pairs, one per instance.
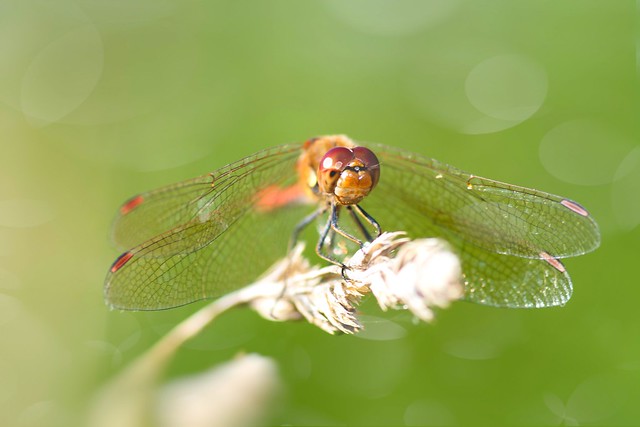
{"points": [[333, 223], [303, 224], [357, 212], [332, 228], [292, 242], [327, 236], [371, 220], [328, 233]]}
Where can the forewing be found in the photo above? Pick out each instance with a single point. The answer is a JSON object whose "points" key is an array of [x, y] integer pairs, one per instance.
{"points": [[152, 213], [223, 235], [498, 217]]}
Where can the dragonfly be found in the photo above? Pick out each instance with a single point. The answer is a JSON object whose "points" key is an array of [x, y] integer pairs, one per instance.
{"points": [[204, 237]]}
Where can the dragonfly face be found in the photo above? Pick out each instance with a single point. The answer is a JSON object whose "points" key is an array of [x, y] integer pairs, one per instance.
{"points": [[210, 235], [348, 174], [334, 167]]}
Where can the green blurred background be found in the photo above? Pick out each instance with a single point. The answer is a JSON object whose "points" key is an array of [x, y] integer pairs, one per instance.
{"points": [[103, 99]]}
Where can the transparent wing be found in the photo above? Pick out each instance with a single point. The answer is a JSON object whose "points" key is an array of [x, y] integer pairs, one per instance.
{"points": [[225, 234], [496, 216], [152, 213], [508, 237], [226, 228], [508, 281]]}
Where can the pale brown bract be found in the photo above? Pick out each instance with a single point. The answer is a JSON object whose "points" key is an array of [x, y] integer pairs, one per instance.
{"points": [[417, 275]]}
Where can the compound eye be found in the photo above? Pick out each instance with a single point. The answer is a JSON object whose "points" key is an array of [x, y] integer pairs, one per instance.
{"points": [[331, 165], [366, 156], [337, 159], [370, 162]]}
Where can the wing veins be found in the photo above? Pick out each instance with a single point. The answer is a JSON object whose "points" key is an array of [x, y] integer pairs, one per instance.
{"points": [[490, 212]]}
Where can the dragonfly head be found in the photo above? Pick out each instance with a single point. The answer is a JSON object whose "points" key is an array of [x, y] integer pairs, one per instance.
{"points": [[349, 174]]}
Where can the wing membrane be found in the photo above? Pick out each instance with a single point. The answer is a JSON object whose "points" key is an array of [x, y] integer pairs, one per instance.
{"points": [[508, 281], [489, 278], [498, 217], [219, 238], [501, 232], [159, 276], [152, 213]]}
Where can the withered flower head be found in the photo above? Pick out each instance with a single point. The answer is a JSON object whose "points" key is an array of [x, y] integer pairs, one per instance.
{"points": [[400, 273]]}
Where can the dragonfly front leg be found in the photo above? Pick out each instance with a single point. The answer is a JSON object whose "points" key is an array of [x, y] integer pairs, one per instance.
{"points": [[357, 212], [371, 220], [302, 225], [327, 236]]}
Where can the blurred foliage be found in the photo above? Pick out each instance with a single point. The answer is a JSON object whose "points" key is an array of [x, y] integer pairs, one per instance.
{"points": [[103, 99]]}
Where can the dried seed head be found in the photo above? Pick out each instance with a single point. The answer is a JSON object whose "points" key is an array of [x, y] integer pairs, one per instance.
{"points": [[401, 274], [424, 274]]}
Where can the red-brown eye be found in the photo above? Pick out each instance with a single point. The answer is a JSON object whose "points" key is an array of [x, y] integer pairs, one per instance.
{"points": [[336, 159], [331, 165], [366, 156], [370, 162]]}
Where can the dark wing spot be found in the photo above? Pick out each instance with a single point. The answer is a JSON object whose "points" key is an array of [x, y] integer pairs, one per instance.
{"points": [[121, 261]]}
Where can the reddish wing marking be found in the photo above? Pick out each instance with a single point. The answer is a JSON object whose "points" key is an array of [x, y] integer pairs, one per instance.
{"points": [[274, 197], [570, 204], [555, 262], [131, 204], [120, 261]]}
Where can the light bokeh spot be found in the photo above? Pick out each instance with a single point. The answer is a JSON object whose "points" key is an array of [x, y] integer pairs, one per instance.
{"points": [[100, 63], [28, 27], [477, 88], [626, 190], [24, 213], [583, 152], [555, 404], [62, 75], [150, 71], [597, 399], [392, 17], [507, 87], [380, 329]]}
